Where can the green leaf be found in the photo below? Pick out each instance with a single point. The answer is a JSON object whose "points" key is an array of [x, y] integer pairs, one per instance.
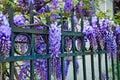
{"points": [[1, 7]]}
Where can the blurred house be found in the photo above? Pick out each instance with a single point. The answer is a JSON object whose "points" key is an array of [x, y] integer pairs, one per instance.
{"points": [[112, 5]]}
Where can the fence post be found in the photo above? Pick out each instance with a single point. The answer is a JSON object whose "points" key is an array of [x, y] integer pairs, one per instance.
{"points": [[0, 71]]}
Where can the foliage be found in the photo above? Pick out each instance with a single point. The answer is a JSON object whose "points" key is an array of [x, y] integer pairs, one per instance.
{"points": [[116, 18]]}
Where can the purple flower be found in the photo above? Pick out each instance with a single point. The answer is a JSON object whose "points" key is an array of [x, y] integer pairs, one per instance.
{"points": [[5, 33], [37, 21], [111, 45], [68, 44], [68, 5], [37, 5], [79, 9], [19, 20], [91, 35], [24, 71], [54, 47], [103, 77], [54, 3], [40, 45], [54, 39], [117, 34]]}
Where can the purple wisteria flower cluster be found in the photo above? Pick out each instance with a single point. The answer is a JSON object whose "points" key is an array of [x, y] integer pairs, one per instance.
{"points": [[102, 34], [19, 20], [54, 4], [117, 33], [38, 5], [5, 34], [90, 34], [54, 43], [68, 5], [81, 9], [55, 39], [111, 45]]}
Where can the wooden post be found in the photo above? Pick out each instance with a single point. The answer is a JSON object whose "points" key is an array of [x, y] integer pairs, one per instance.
{"points": [[0, 71]]}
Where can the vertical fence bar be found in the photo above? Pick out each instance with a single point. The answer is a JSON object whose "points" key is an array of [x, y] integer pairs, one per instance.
{"points": [[117, 68], [3, 72], [82, 23], [106, 66], [74, 60], [99, 65], [113, 72], [32, 42], [84, 60], [92, 55], [118, 73], [48, 59], [99, 55], [10, 13], [92, 66], [12, 54], [83, 49], [0, 71], [62, 59], [72, 21], [84, 67], [73, 46], [62, 47], [32, 61]]}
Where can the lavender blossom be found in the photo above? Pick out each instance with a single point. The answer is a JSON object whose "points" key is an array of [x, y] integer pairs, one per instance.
{"points": [[5, 33], [37, 5], [24, 71], [117, 34], [54, 3], [54, 39], [20, 20], [54, 43], [68, 5], [111, 45], [90, 34]]}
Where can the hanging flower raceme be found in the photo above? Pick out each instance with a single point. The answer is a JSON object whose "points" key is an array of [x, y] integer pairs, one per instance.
{"points": [[54, 3], [117, 34], [98, 31], [19, 20], [54, 46], [110, 40], [38, 5], [90, 35], [24, 71], [68, 5], [81, 9], [41, 69], [54, 39], [5, 33]]}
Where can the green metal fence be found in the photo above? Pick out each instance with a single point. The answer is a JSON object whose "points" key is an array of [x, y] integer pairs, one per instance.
{"points": [[31, 34]]}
